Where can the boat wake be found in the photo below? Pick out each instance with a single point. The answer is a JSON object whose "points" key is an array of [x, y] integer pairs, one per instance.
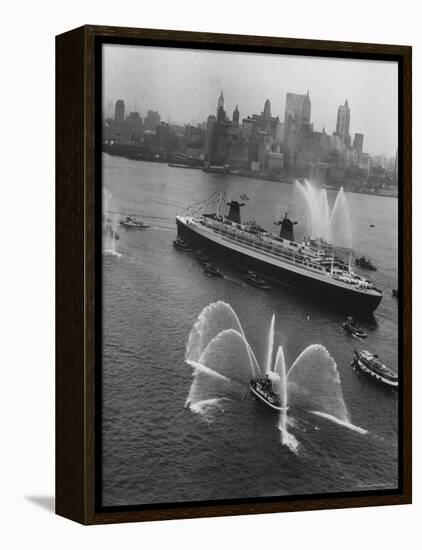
{"points": [[289, 441], [162, 228], [208, 406]]}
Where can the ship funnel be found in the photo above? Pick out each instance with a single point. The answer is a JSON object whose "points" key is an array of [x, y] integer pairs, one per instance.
{"points": [[286, 230], [234, 212]]}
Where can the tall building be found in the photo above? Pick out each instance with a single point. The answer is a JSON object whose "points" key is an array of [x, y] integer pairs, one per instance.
{"points": [[210, 138], [238, 154], [279, 134], [222, 143], [152, 120], [298, 110], [133, 122], [358, 144], [162, 136], [267, 111], [221, 113], [119, 111], [297, 119], [219, 130], [220, 102], [343, 123], [248, 128], [236, 116]]}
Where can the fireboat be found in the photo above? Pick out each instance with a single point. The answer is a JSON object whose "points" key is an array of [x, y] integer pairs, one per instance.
{"points": [[262, 388]]}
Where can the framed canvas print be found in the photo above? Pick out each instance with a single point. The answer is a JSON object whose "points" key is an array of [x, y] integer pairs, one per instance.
{"points": [[233, 274]]}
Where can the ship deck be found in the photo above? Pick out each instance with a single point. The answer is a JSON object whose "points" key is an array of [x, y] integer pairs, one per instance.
{"points": [[269, 248], [276, 267]]}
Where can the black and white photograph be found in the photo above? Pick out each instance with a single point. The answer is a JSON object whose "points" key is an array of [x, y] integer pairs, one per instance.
{"points": [[250, 275]]}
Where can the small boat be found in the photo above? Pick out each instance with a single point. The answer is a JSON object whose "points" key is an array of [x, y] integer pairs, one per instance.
{"points": [[369, 364], [132, 223], [262, 389], [372, 225], [350, 327], [395, 292], [212, 271], [182, 245], [364, 263], [252, 278]]}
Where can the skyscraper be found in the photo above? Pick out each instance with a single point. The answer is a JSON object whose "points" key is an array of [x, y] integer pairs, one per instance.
{"points": [[119, 111], [306, 110], [267, 111], [298, 110], [297, 120], [221, 113], [152, 120], [210, 138], [236, 116], [358, 144], [220, 102], [163, 134], [343, 123]]}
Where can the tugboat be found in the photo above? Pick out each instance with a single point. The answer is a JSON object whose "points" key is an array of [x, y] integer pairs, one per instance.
{"points": [[132, 223], [252, 278], [262, 389], [212, 271], [371, 366], [350, 327], [182, 245], [365, 263]]}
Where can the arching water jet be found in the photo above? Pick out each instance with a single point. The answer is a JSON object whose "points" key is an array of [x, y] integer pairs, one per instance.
{"points": [[334, 228], [340, 224], [213, 319], [311, 385], [198, 394], [220, 370], [314, 383]]}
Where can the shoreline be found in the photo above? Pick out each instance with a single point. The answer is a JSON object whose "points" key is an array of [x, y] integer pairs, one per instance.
{"points": [[329, 188], [248, 175]]}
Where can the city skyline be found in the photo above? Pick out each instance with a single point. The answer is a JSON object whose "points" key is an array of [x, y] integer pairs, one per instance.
{"points": [[196, 79]]}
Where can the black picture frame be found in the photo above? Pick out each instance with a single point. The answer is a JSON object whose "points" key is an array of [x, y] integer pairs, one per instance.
{"points": [[78, 272]]}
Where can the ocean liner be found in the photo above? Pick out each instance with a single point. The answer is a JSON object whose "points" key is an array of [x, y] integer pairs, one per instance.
{"points": [[311, 266]]}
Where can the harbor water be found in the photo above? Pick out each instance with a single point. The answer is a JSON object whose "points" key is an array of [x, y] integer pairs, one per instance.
{"points": [[156, 450]]}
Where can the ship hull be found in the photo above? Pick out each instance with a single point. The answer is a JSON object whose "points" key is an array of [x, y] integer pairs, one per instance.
{"points": [[262, 399], [360, 365], [339, 298]]}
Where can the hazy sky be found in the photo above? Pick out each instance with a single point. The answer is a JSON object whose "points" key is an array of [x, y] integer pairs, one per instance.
{"points": [[184, 85]]}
